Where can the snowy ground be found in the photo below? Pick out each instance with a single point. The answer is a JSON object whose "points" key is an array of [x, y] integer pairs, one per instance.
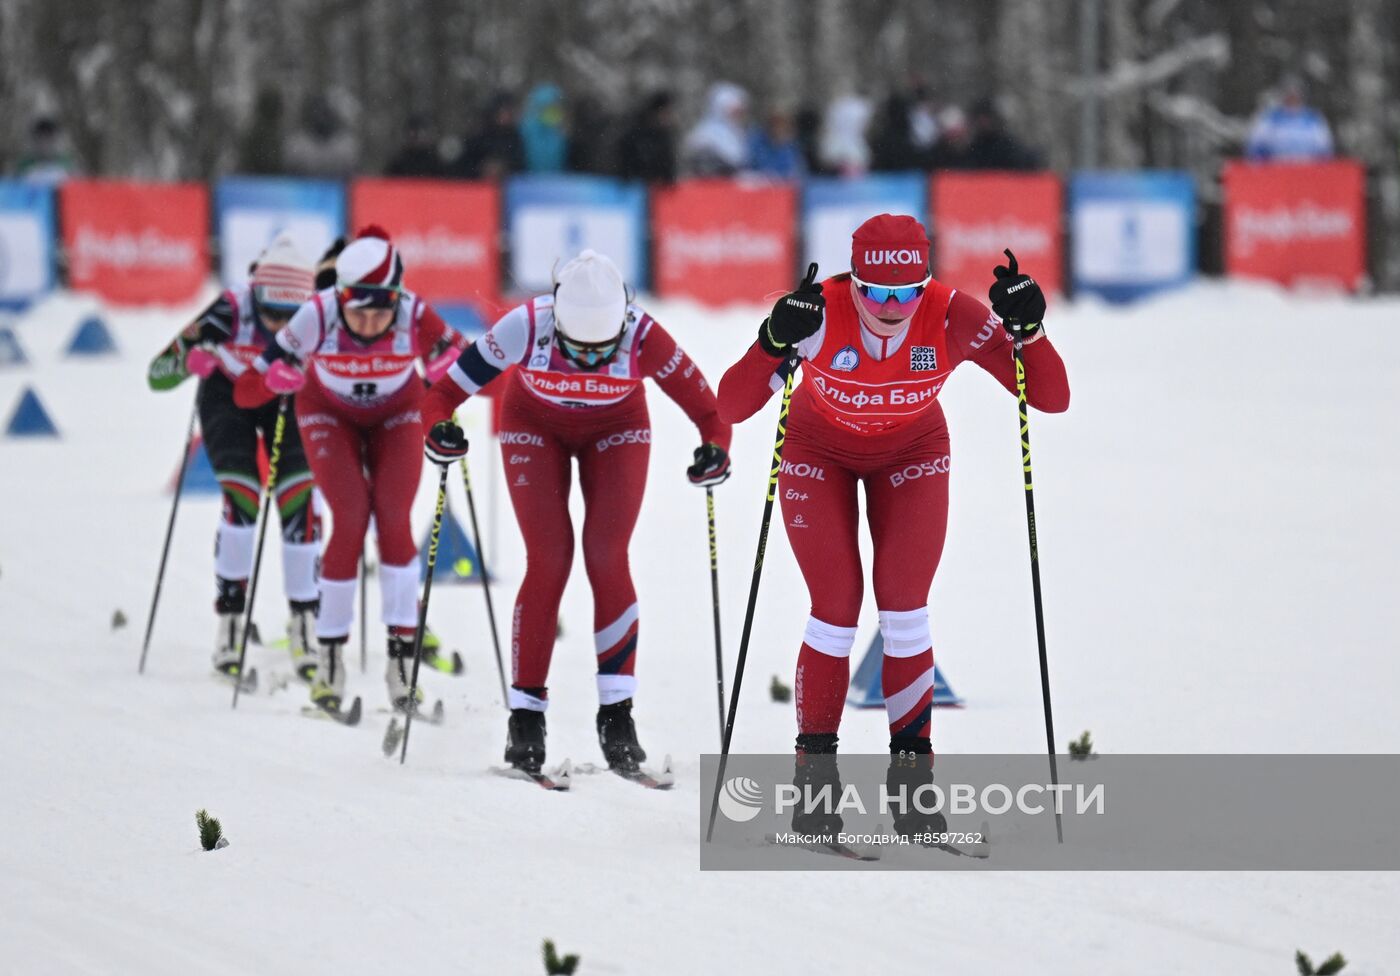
{"points": [[1218, 531]]}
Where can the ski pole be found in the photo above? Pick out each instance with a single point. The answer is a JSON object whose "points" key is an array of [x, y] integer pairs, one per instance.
{"points": [[1035, 563], [714, 598], [423, 612], [364, 613], [485, 578], [790, 369], [169, 533], [266, 504]]}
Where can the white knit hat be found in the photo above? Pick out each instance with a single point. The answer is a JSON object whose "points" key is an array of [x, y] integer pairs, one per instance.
{"points": [[282, 277], [590, 299]]}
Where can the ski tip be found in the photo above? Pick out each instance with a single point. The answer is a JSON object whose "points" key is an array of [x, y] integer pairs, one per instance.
{"points": [[353, 717], [564, 775], [393, 735]]}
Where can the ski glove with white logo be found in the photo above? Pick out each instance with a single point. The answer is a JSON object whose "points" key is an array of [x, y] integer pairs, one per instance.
{"points": [[711, 466], [1017, 300], [445, 443], [795, 317]]}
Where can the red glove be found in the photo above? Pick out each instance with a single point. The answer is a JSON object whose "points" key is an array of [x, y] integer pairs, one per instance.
{"points": [[201, 362], [283, 378]]}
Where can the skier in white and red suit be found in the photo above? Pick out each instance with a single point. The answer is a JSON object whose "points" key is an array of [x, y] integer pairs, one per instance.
{"points": [[876, 346], [217, 347], [582, 354], [350, 355]]}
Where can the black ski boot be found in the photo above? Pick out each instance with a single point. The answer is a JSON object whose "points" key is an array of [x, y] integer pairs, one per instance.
{"points": [[525, 739], [618, 736], [911, 766], [815, 770]]}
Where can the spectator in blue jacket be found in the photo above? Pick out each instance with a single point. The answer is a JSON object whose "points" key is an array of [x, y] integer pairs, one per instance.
{"points": [[774, 149], [1290, 131], [543, 132]]}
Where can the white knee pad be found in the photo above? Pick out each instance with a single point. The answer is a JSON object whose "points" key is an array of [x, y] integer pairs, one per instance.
{"points": [[828, 638], [905, 632], [398, 587], [299, 570], [337, 611], [233, 551]]}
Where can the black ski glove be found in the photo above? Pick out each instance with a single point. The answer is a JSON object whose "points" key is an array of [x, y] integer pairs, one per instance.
{"points": [[445, 443], [325, 268], [711, 466], [796, 316], [1017, 300]]}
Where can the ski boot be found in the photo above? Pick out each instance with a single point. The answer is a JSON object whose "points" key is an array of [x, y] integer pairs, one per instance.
{"points": [[911, 767], [618, 736], [229, 605], [525, 739], [226, 643], [328, 687], [398, 674], [300, 628], [815, 771]]}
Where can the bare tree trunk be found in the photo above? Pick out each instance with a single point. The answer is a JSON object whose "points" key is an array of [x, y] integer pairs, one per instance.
{"points": [[777, 30], [837, 63], [1366, 135], [1122, 144], [1025, 51]]}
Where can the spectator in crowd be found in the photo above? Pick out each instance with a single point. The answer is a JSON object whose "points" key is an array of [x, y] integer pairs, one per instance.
{"points": [[953, 148], [494, 149], [892, 145], [260, 150], [323, 146], [542, 130], [647, 149], [992, 146], [1291, 130], [592, 135], [923, 120], [46, 160], [419, 156], [809, 134], [774, 150], [719, 143], [844, 149]]}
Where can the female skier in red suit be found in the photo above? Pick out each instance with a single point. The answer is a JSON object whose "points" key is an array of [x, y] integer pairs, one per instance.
{"points": [[350, 354], [876, 346], [582, 354]]}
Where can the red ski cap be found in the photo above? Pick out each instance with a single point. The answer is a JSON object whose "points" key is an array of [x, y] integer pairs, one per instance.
{"points": [[890, 249]]}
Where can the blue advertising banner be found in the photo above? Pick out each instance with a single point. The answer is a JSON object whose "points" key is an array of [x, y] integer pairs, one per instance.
{"points": [[551, 218], [833, 208], [251, 210], [1132, 233], [27, 236]]}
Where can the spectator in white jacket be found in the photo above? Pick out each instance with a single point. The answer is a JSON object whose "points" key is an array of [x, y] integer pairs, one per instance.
{"points": [[719, 143]]}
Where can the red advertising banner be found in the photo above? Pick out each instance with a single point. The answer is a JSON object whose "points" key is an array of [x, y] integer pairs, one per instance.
{"points": [[978, 215], [447, 232], [136, 243], [720, 242], [1296, 223]]}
